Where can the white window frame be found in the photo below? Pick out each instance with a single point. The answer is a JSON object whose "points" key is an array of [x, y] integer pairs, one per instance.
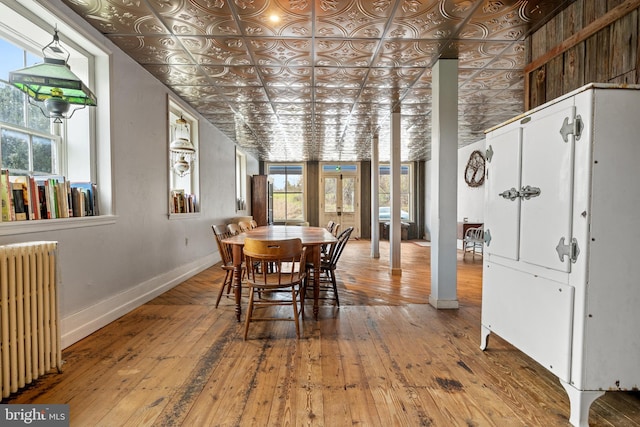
{"points": [[304, 189], [411, 187]]}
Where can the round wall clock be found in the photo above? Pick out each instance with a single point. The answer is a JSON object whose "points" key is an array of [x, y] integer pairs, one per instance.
{"points": [[474, 172]]}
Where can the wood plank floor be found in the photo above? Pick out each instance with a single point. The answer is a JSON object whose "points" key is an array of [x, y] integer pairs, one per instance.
{"points": [[384, 358]]}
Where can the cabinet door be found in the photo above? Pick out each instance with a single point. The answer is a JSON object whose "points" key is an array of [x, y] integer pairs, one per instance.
{"points": [[547, 164], [503, 175]]}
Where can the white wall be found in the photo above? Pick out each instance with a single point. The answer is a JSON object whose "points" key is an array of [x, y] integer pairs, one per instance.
{"points": [[470, 199], [108, 270]]}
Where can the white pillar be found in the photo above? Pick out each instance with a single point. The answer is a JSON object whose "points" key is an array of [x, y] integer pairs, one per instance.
{"points": [[444, 204], [375, 199], [394, 227]]}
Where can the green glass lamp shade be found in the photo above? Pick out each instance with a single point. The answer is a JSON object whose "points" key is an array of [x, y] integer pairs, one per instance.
{"points": [[52, 78]]}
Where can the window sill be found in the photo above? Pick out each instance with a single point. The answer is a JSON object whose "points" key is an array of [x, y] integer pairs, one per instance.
{"points": [[190, 215], [42, 225]]}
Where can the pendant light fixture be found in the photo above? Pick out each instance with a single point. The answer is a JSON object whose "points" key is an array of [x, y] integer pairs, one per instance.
{"points": [[52, 84], [181, 149]]}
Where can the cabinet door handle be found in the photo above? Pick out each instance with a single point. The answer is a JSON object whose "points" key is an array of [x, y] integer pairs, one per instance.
{"points": [[510, 194], [529, 192]]}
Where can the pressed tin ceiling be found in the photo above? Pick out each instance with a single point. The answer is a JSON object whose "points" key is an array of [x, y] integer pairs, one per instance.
{"points": [[298, 80]]}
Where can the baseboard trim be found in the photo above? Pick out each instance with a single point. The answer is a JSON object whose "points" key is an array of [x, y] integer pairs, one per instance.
{"points": [[83, 323]]}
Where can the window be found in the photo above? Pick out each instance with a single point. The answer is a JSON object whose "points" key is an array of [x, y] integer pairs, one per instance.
{"points": [[406, 192], [33, 144], [28, 142], [241, 181], [288, 191], [183, 161]]}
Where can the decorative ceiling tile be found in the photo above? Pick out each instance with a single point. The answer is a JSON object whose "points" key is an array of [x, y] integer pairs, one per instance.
{"points": [[315, 79], [401, 53], [161, 49], [282, 52], [344, 53], [119, 17], [217, 50]]}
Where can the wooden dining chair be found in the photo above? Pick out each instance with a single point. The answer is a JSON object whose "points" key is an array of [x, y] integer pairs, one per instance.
{"points": [[244, 226], [328, 267], [233, 229], [330, 226], [221, 232], [287, 258]]}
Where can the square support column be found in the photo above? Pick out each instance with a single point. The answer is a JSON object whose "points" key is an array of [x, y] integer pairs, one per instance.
{"points": [[444, 187]]}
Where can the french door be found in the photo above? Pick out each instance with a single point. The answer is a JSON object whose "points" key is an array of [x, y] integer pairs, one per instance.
{"points": [[340, 196]]}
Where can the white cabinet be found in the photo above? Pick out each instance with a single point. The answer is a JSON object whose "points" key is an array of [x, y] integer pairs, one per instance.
{"points": [[560, 277]]}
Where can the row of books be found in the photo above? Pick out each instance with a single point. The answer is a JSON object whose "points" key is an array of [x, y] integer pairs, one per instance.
{"points": [[45, 197], [182, 203]]}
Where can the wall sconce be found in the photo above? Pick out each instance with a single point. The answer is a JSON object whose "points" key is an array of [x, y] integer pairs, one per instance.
{"points": [[53, 84], [182, 151]]}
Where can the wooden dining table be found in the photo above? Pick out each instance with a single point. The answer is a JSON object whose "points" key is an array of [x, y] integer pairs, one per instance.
{"points": [[312, 238]]}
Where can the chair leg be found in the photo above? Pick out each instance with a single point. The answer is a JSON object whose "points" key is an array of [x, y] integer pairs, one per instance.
{"points": [[249, 314], [294, 300], [335, 286], [303, 290], [228, 280]]}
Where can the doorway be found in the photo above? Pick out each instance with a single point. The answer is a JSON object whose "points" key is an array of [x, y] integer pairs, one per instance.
{"points": [[340, 195]]}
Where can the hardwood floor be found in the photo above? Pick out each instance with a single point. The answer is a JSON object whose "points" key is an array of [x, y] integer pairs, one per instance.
{"points": [[384, 358]]}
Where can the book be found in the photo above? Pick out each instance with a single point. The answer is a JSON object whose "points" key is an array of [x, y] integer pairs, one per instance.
{"points": [[34, 198], [88, 196], [5, 195], [19, 206], [22, 182], [44, 206]]}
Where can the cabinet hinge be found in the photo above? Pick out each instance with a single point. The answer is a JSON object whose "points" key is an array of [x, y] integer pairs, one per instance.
{"points": [[489, 154], [487, 237], [574, 128], [571, 250]]}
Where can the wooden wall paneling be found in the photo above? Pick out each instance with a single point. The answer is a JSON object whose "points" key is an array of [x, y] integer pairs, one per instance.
{"points": [[638, 52], [573, 19], [554, 31], [627, 78], [538, 87], [538, 44], [593, 9], [611, 4], [610, 44], [553, 81], [602, 22], [597, 57], [574, 73], [624, 45]]}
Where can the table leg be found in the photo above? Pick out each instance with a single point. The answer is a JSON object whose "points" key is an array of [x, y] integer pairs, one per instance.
{"points": [[316, 279], [237, 278]]}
